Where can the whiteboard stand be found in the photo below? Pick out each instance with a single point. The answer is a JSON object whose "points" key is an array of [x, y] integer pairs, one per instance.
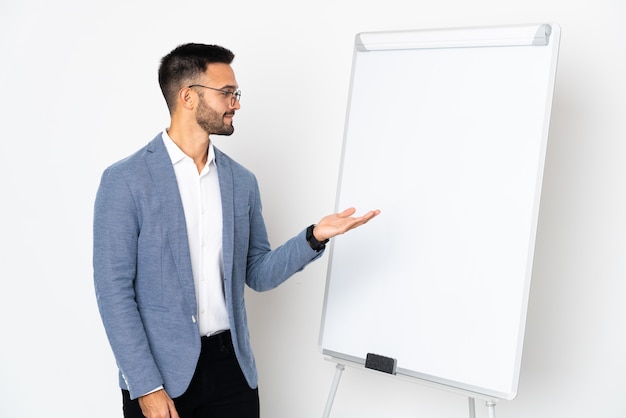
{"points": [[490, 404], [491, 409], [472, 408], [333, 389], [340, 367]]}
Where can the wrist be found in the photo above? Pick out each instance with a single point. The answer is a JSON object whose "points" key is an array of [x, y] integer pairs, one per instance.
{"points": [[314, 243]]}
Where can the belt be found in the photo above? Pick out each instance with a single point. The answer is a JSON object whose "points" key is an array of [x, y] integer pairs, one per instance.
{"points": [[221, 339]]}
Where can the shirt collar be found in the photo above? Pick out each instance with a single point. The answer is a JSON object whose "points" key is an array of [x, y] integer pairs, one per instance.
{"points": [[177, 155]]}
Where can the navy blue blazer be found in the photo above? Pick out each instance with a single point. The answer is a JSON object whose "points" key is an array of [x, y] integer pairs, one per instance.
{"points": [[142, 267]]}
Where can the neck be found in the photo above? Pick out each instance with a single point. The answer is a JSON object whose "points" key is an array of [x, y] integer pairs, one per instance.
{"points": [[193, 141]]}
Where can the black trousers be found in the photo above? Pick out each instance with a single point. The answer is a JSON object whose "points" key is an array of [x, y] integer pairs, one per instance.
{"points": [[218, 388]]}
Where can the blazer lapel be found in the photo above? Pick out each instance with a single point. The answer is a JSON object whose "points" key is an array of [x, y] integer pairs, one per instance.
{"points": [[225, 175], [164, 178]]}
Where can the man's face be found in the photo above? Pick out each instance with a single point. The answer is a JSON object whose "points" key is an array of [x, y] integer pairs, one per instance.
{"points": [[217, 105]]}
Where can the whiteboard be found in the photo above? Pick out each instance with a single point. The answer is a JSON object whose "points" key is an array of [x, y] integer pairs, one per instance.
{"points": [[446, 133]]}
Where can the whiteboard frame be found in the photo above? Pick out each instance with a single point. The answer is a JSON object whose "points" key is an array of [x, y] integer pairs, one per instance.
{"points": [[541, 35]]}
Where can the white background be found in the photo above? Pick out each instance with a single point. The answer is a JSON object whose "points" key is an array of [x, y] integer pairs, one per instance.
{"points": [[78, 91]]}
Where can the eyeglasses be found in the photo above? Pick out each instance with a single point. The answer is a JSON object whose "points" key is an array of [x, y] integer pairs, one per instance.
{"points": [[235, 95]]}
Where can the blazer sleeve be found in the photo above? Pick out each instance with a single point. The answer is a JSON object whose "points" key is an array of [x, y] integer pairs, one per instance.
{"points": [[266, 268]]}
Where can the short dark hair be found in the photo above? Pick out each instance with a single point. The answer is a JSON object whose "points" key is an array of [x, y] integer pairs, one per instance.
{"points": [[185, 64]]}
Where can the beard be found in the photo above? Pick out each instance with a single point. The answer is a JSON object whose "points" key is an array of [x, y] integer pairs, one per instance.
{"points": [[211, 121]]}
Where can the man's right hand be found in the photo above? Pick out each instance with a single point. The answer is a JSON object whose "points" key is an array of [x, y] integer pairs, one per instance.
{"points": [[158, 405]]}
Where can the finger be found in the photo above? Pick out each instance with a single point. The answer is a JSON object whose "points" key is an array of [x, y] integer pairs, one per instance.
{"points": [[372, 213], [347, 212], [368, 216], [173, 412]]}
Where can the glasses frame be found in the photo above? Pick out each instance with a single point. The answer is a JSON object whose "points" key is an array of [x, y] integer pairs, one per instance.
{"points": [[235, 95]]}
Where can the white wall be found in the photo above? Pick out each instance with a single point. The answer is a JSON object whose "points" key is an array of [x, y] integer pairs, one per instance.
{"points": [[78, 91]]}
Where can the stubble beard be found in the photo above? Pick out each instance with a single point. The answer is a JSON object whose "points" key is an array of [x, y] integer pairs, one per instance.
{"points": [[211, 121]]}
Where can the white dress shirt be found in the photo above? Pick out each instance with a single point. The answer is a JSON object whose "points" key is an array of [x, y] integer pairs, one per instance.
{"points": [[200, 194]]}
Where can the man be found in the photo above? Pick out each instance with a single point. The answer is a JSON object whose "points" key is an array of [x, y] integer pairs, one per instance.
{"points": [[178, 233]]}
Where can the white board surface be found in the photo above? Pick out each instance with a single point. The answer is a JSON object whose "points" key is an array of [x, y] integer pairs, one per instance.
{"points": [[446, 133]]}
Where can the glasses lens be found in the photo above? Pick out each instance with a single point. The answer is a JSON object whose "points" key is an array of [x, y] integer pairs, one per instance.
{"points": [[235, 97]]}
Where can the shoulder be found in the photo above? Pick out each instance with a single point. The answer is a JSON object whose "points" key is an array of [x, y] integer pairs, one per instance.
{"points": [[133, 169], [131, 161]]}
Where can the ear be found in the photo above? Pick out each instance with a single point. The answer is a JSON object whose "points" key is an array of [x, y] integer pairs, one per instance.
{"points": [[187, 98]]}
